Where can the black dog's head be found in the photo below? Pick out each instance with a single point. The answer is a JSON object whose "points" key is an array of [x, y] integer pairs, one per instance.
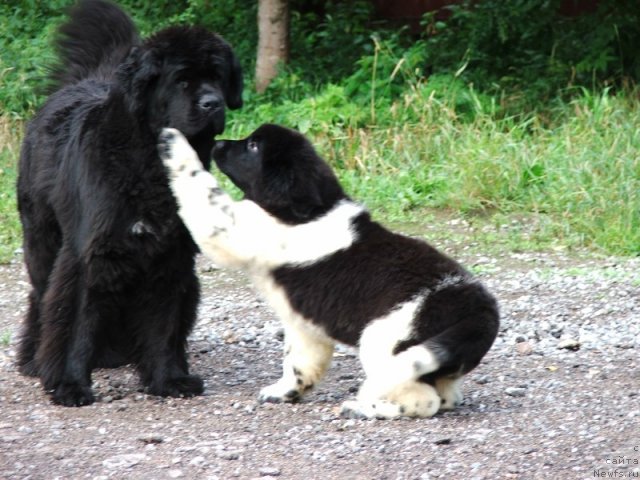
{"points": [[279, 169], [183, 77]]}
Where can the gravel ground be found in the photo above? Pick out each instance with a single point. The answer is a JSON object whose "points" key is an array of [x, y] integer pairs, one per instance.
{"points": [[558, 396]]}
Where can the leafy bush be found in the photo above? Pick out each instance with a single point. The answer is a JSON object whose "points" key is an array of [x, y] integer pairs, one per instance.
{"points": [[530, 47], [29, 27], [411, 123], [26, 27]]}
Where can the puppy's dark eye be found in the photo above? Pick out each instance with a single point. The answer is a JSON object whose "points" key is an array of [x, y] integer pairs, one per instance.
{"points": [[183, 84], [252, 146]]}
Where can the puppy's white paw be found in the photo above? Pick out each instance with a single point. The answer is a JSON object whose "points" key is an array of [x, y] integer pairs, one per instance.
{"points": [[450, 394], [381, 409], [352, 409], [176, 152], [409, 399], [451, 400], [279, 392]]}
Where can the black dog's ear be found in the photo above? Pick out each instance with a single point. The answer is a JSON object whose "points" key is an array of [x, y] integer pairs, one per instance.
{"points": [[138, 70], [235, 84]]}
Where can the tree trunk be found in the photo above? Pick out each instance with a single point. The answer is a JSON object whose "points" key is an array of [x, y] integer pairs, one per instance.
{"points": [[273, 40]]}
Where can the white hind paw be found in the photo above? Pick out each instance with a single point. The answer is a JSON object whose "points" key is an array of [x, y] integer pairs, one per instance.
{"points": [[449, 391], [381, 409]]}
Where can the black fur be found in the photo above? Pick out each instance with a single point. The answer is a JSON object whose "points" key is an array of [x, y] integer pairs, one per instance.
{"points": [[110, 263], [279, 170]]}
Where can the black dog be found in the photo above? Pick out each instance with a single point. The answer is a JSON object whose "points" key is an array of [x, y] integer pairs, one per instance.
{"points": [[332, 274], [110, 262]]}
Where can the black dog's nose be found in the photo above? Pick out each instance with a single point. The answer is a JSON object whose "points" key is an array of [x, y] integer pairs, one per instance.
{"points": [[209, 101]]}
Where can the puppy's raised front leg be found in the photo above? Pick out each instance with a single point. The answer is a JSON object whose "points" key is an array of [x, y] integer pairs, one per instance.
{"points": [[223, 228], [205, 208]]}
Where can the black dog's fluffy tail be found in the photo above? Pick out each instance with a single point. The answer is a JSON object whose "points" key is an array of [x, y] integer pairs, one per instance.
{"points": [[93, 42]]}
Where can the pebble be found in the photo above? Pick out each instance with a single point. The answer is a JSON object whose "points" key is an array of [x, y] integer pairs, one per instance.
{"points": [[443, 441], [569, 344], [151, 438], [228, 455], [269, 472], [524, 348], [123, 461], [515, 391]]}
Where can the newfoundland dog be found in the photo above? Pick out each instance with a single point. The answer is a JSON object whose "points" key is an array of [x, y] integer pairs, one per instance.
{"points": [[110, 262], [332, 274]]}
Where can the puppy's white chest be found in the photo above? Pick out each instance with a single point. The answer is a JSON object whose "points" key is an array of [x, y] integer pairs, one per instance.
{"points": [[277, 298]]}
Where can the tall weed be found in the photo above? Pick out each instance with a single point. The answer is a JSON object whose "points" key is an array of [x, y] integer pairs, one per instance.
{"points": [[10, 233]]}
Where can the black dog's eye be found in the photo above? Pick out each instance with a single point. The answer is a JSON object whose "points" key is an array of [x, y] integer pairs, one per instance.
{"points": [[252, 145], [183, 84]]}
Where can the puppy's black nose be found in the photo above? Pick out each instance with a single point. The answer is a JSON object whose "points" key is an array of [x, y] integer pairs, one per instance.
{"points": [[219, 147], [209, 102]]}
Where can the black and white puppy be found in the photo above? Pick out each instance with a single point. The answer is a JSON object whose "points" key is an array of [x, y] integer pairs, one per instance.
{"points": [[332, 274]]}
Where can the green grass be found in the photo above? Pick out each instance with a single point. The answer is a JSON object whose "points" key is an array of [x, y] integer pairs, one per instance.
{"points": [[5, 339], [417, 149], [566, 179], [9, 224], [569, 177]]}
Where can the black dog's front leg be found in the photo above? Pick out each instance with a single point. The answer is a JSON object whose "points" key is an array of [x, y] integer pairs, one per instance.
{"points": [[164, 368]]}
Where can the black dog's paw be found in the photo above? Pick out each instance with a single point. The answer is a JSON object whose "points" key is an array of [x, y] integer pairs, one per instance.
{"points": [[187, 386], [72, 395]]}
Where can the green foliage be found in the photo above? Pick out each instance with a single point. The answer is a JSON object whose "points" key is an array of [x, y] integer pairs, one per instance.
{"points": [[573, 171], [24, 43], [519, 52], [530, 47], [9, 222], [570, 177], [499, 115], [29, 27], [329, 36]]}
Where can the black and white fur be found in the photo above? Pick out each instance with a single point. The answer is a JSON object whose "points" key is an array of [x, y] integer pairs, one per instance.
{"points": [[420, 320]]}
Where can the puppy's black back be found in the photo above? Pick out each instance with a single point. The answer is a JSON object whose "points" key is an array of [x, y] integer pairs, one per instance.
{"points": [[347, 290], [93, 42]]}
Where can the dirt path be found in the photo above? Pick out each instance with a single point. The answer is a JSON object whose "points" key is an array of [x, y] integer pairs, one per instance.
{"points": [[532, 409]]}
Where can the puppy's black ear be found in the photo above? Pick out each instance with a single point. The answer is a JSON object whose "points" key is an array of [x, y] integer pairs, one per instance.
{"points": [[305, 211], [314, 198], [235, 84], [306, 201]]}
